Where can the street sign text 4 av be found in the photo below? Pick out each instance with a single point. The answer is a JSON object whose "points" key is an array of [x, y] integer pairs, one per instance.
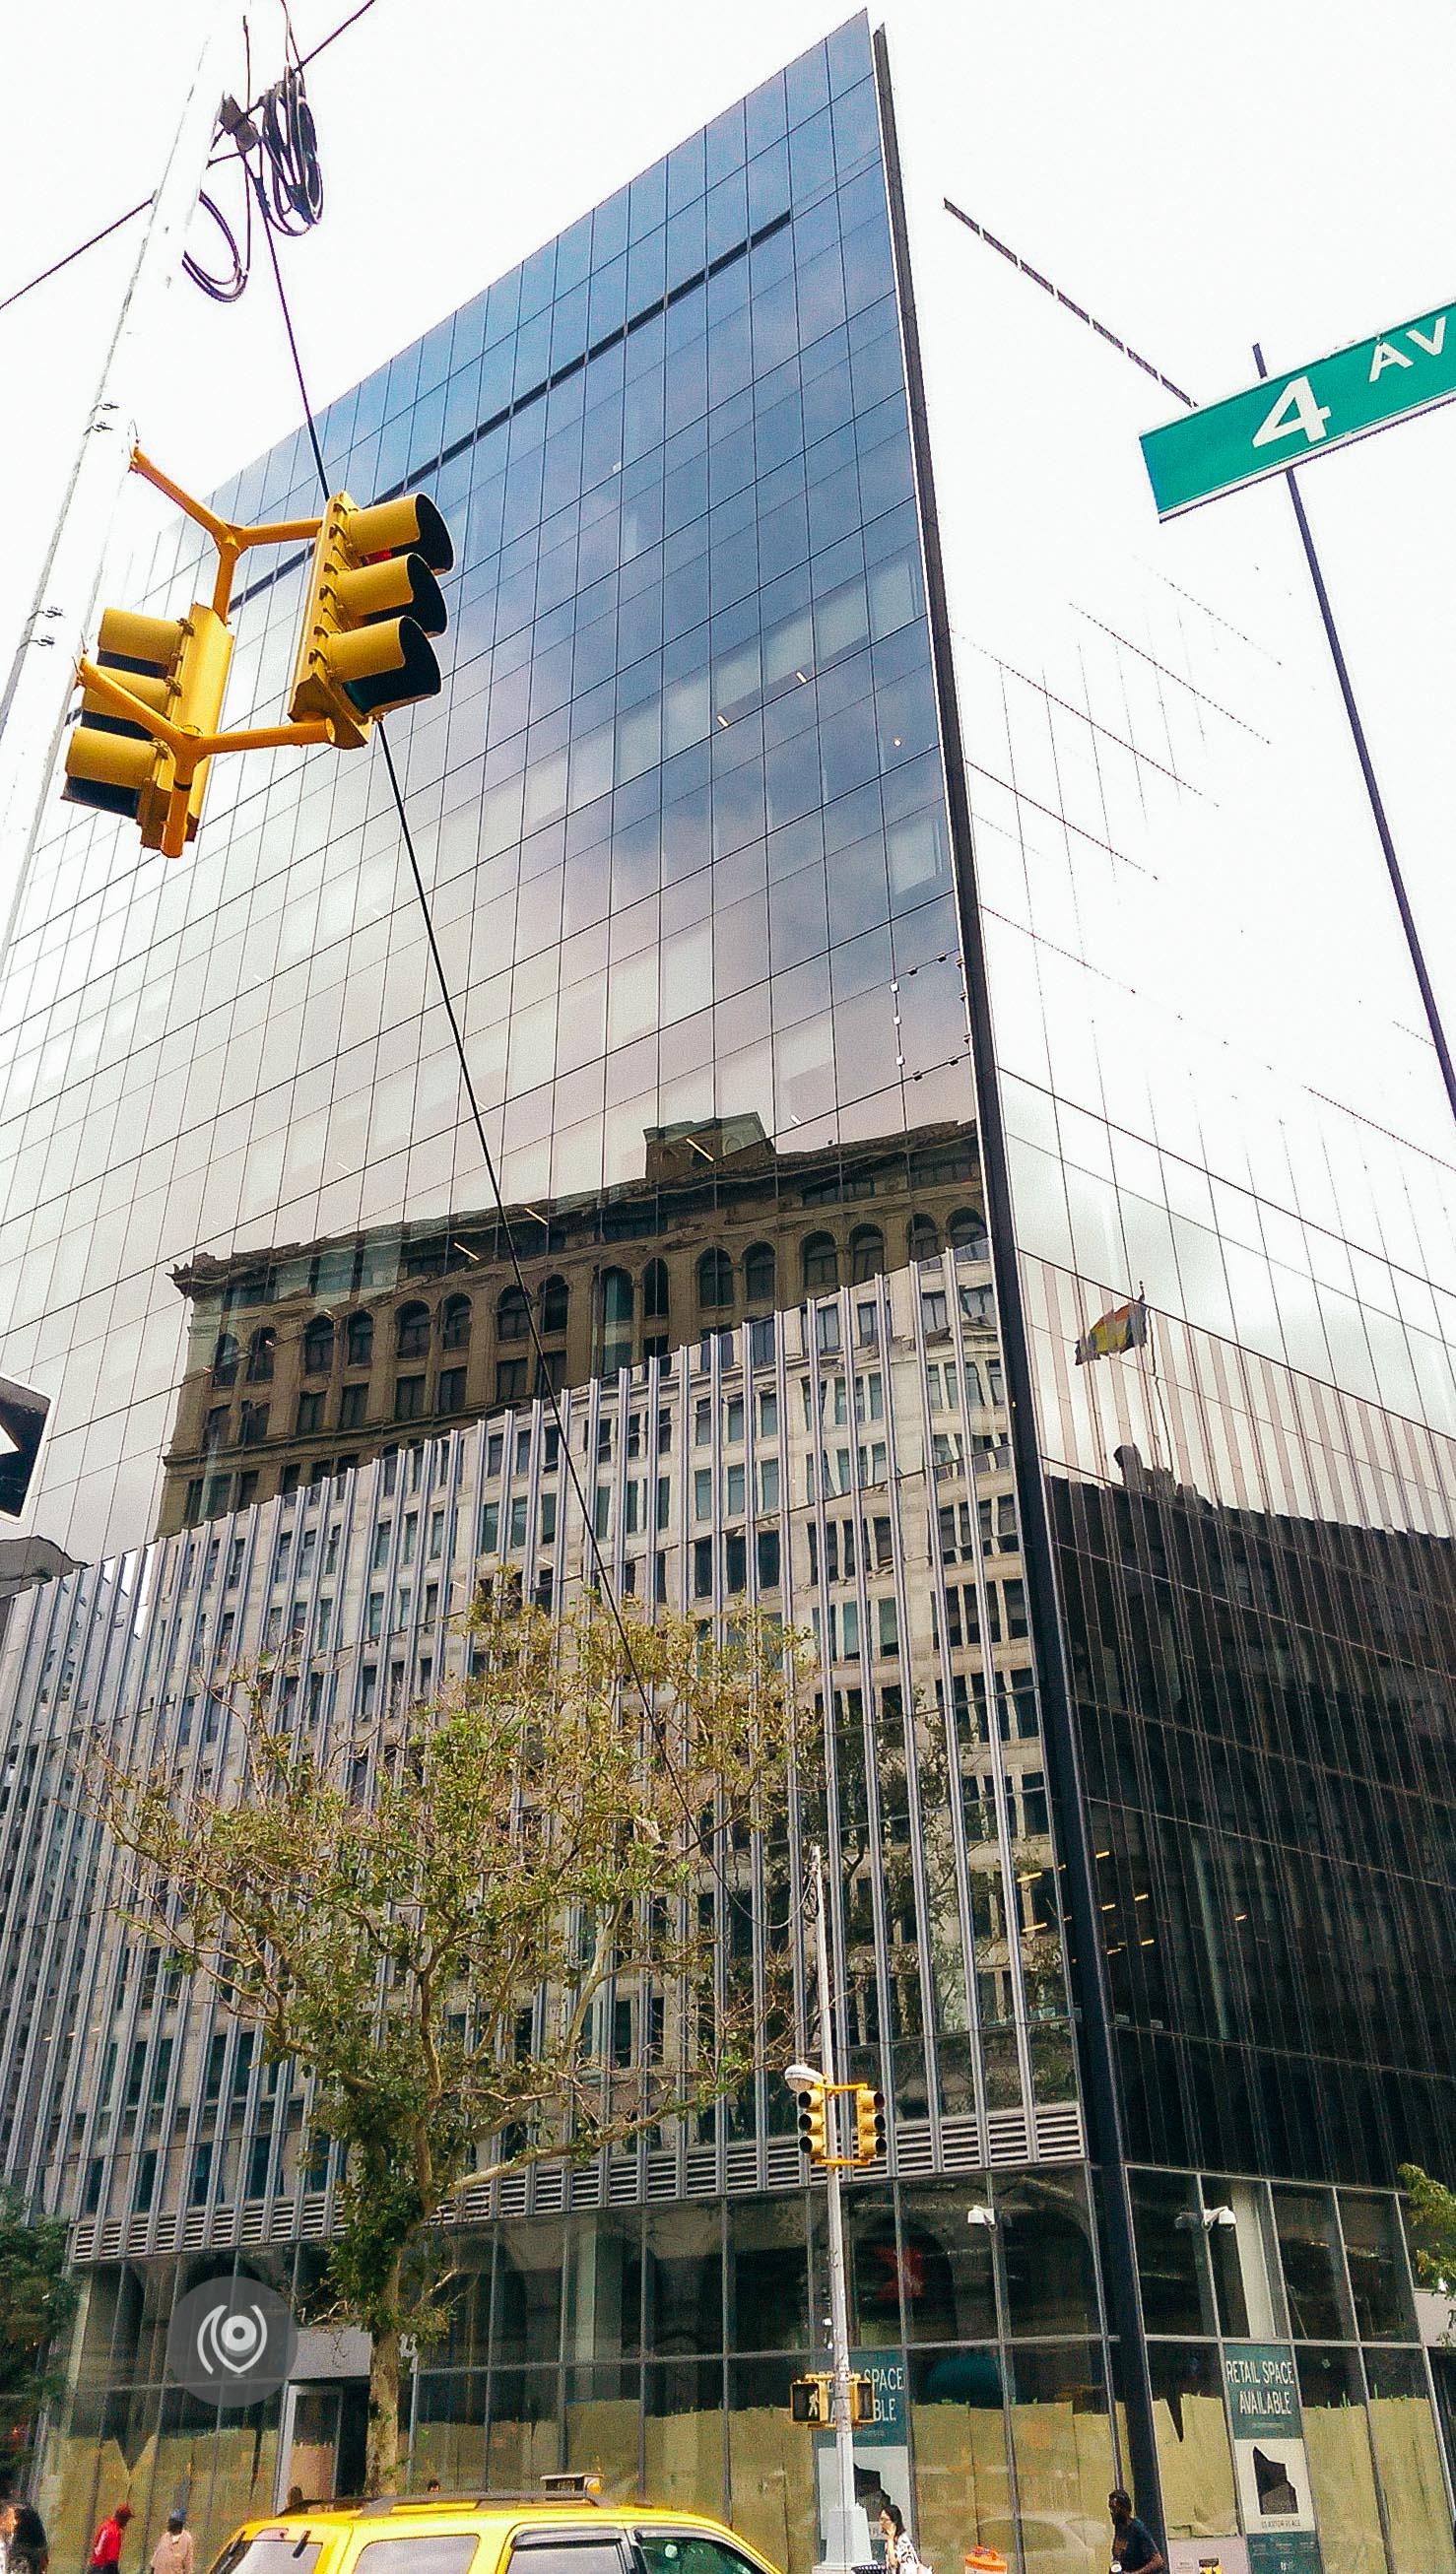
{"points": [[1329, 403]]}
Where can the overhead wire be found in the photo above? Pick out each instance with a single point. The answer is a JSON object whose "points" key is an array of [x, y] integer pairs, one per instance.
{"points": [[43, 276]]}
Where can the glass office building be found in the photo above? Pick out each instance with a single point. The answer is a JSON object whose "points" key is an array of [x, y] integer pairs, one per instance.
{"points": [[819, 818]]}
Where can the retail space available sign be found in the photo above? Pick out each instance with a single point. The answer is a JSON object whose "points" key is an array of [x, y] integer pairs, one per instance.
{"points": [[1328, 403], [1271, 2466]]}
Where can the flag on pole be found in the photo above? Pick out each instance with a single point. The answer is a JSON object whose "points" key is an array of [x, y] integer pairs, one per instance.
{"points": [[1125, 1328]]}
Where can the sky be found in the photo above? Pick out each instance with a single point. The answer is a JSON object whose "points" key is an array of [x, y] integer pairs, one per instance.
{"points": [[1196, 182]]}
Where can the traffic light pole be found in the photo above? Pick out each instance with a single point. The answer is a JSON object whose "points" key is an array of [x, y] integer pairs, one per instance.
{"points": [[846, 2538], [43, 675]]}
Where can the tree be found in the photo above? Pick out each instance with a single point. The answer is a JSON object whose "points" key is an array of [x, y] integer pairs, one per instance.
{"points": [[36, 2302], [1433, 2232], [494, 1930]]}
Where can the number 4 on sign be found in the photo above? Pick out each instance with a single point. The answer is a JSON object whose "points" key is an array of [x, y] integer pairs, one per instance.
{"points": [[1295, 409]]}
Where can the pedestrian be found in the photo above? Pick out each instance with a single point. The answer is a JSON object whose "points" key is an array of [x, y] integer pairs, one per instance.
{"points": [[901, 2550], [173, 2551], [29, 2550], [106, 2546], [7, 2533], [1134, 2548]]}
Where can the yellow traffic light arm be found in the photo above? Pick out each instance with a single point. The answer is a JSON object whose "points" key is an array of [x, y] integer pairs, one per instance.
{"points": [[230, 542], [188, 750]]}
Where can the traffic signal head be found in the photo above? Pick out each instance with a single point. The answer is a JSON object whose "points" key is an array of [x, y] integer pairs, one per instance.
{"points": [[870, 2127], [814, 2133], [177, 668], [809, 2401], [373, 601]]}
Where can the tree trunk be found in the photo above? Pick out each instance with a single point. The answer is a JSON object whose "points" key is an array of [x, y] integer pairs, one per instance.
{"points": [[382, 2450]]}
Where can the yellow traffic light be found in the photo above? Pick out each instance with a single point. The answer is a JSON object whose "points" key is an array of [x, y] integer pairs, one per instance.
{"points": [[809, 2401], [862, 2406], [813, 2132], [173, 671], [373, 598], [871, 2127]]}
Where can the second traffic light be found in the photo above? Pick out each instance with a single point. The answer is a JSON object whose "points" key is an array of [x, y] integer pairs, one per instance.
{"points": [[871, 2127], [373, 599]]}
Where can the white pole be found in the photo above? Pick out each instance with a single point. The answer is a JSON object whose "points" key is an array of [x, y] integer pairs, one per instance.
{"points": [[57, 631], [846, 2539]]}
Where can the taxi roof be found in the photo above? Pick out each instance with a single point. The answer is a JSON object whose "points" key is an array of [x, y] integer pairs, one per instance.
{"points": [[501, 2510]]}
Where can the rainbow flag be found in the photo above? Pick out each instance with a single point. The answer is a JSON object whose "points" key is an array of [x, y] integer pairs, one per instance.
{"points": [[1125, 1328]]}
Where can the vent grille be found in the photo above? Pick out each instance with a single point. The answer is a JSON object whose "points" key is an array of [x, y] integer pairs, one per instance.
{"points": [[623, 2180]]}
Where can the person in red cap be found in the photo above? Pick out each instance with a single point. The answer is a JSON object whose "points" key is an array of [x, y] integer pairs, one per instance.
{"points": [[106, 2545]]}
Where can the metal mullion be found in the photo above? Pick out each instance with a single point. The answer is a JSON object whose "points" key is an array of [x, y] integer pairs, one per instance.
{"points": [[930, 2045], [787, 1576], [1011, 1894]]}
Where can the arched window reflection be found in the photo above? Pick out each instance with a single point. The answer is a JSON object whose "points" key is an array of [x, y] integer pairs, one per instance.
{"points": [[821, 1261], [512, 1316], [714, 1282], [359, 1340], [319, 1346], [924, 1242], [412, 1331], [759, 1273], [867, 1253], [455, 1323], [225, 1360]]}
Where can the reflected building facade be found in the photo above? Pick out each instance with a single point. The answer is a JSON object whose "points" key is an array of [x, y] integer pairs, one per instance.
{"points": [[720, 816]]}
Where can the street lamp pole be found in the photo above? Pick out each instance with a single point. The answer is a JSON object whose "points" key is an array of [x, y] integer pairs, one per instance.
{"points": [[846, 2538]]}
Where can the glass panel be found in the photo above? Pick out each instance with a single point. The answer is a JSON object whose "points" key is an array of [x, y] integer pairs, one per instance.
{"points": [[946, 2276], [603, 2429], [1403, 2428], [1169, 2229], [962, 2479], [1195, 2457], [771, 2464], [768, 2254], [1063, 2447], [1047, 2256], [685, 2465], [1379, 2280], [1337, 2442], [1309, 2254]]}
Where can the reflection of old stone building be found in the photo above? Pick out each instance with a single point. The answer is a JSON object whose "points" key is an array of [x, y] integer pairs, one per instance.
{"points": [[312, 1356]]}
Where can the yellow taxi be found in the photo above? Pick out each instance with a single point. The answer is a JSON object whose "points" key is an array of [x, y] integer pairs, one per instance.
{"points": [[564, 2528]]}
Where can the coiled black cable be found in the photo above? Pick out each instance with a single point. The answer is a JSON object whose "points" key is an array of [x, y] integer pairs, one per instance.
{"points": [[277, 143]]}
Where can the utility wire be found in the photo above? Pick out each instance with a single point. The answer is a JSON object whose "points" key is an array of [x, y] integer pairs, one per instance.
{"points": [[140, 208], [589, 1521]]}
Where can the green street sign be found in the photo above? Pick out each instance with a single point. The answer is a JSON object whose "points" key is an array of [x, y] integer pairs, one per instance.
{"points": [[1275, 424]]}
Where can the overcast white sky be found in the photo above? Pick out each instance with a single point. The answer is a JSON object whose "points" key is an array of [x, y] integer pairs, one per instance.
{"points": [[1196, 180]]}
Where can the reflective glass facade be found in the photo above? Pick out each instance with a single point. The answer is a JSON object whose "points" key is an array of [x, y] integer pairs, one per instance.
{"points": [[741, 832]]}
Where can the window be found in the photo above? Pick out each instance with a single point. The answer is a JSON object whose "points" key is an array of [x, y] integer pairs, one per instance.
{"points": [[260, 1355], [966, 1231], [924, 1242], [225, 1360], [310, 1414], [452, 1390], [409, 1398], [319, 1346], [934, 1313], [352, 1404], [359, 1340], [770, 1575], [412, 1331], [760, 1272], [253, 1429], [760, 1342], [617, 1305], [556, 1299], [449, 2553], [558, 2551], [820, 1258], [510, 1380], [655, 1292], [715, 1281], [867, 1253], [455, 1324], [214, 1429]]}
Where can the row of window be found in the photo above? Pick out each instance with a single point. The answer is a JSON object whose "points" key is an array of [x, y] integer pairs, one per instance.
{"points": [[819, 1262]]}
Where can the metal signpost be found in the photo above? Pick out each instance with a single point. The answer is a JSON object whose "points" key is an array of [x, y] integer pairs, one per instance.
{"points": [[1269, 429], [1329, 403]]}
